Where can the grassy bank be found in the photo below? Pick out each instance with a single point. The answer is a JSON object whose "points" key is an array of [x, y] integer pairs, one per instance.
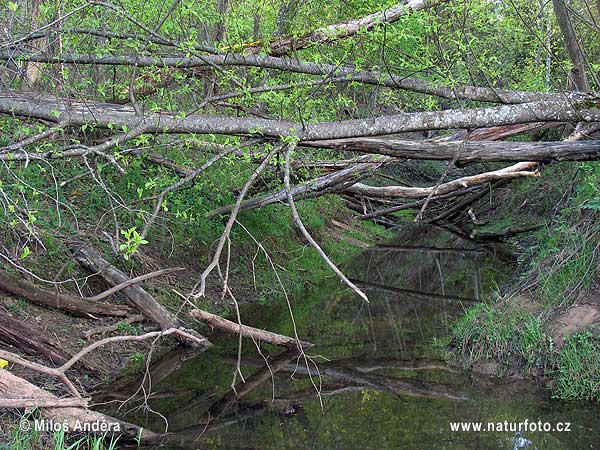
{"points": [[547, 322]]}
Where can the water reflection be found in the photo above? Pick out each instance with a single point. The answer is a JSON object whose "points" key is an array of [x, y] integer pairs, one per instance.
{"points": [[372, 381]]}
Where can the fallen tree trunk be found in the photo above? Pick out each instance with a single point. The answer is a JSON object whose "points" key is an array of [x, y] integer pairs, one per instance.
{"points": [[15, 388], [413, 205], [319, 186], [93, 260], [424, 249], [289, 65], [65, 302], [421, 295], [515, 171], [506, 233], [30, 341], [251, 383], [379, 382], [580, 108], [469, 151], [246, 331], [130, 387], [338, 31]]}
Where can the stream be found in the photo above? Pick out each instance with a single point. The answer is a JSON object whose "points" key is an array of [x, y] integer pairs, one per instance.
{"points": [[372, 380]]}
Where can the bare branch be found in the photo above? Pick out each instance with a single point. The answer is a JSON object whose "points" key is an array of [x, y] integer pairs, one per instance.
{"points": [[247, 331], [523, 169], [232, 218], [309, 238]]}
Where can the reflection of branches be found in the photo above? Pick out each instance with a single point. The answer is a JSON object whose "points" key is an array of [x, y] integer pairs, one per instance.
{"points": [[60, 372], [362, 376]]}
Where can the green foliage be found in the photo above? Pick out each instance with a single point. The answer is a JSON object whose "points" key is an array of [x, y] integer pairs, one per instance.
{"points": [[128, 328], [562, 264], [579, 368], [137, 363], [28, 438], [133, 240], [588, 188]]}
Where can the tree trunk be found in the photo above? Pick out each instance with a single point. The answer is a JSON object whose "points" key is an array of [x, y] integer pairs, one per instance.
{"points": [[574, 47], [29, 340], [53, 299]]}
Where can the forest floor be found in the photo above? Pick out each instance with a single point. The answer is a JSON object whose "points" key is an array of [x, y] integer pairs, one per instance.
{"points": [[251, 280]]}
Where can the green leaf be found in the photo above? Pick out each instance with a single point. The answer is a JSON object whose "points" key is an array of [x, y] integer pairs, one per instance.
{"points": [[25, 253]]}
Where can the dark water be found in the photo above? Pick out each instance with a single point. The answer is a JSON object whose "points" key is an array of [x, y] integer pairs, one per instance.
{"points": [[371, 381]]}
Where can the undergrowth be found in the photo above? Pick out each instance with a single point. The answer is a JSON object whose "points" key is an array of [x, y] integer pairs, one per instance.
{"points": [[65, 200], [489, 333]]}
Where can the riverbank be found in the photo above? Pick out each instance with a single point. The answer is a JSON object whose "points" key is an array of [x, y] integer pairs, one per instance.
{"points": [[545, 324], [267, 256]]}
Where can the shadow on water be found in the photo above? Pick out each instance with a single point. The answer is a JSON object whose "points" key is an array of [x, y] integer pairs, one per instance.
{"points": [[372, 380]]}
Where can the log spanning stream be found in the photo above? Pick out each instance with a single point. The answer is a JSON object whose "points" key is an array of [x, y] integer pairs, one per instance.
{"points": [[373, 380]]}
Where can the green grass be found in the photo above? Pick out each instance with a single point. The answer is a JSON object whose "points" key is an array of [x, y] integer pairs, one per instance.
{"points": [[563, 263], [17, 439], [183, 221], [578, 368], [559, 266], [513, 338]]}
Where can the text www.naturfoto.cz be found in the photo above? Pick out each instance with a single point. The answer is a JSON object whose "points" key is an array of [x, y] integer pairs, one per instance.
{"points": [[525, 426]]}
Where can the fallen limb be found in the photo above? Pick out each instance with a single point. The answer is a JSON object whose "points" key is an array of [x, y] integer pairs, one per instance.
{"points": [[421, 295], [251, 383], [413, 205], [469, 151], [60, 372], [515, 171], [92, 259], [576, 108], [247, 331], [130, 387], [43, 402], [338, 31], [21, 335], [36, 138], [13, 387], [306, 234], [322, 185], [506, 233], [350, 375], [230, 222], [350, 73], [133, 281], [65, 302], [421, 249]]}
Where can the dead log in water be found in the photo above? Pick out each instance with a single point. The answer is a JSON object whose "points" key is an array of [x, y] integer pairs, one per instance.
{"points": [[249, 332], [421, 295], [425, 249], [361, 376], [53, 299]]}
